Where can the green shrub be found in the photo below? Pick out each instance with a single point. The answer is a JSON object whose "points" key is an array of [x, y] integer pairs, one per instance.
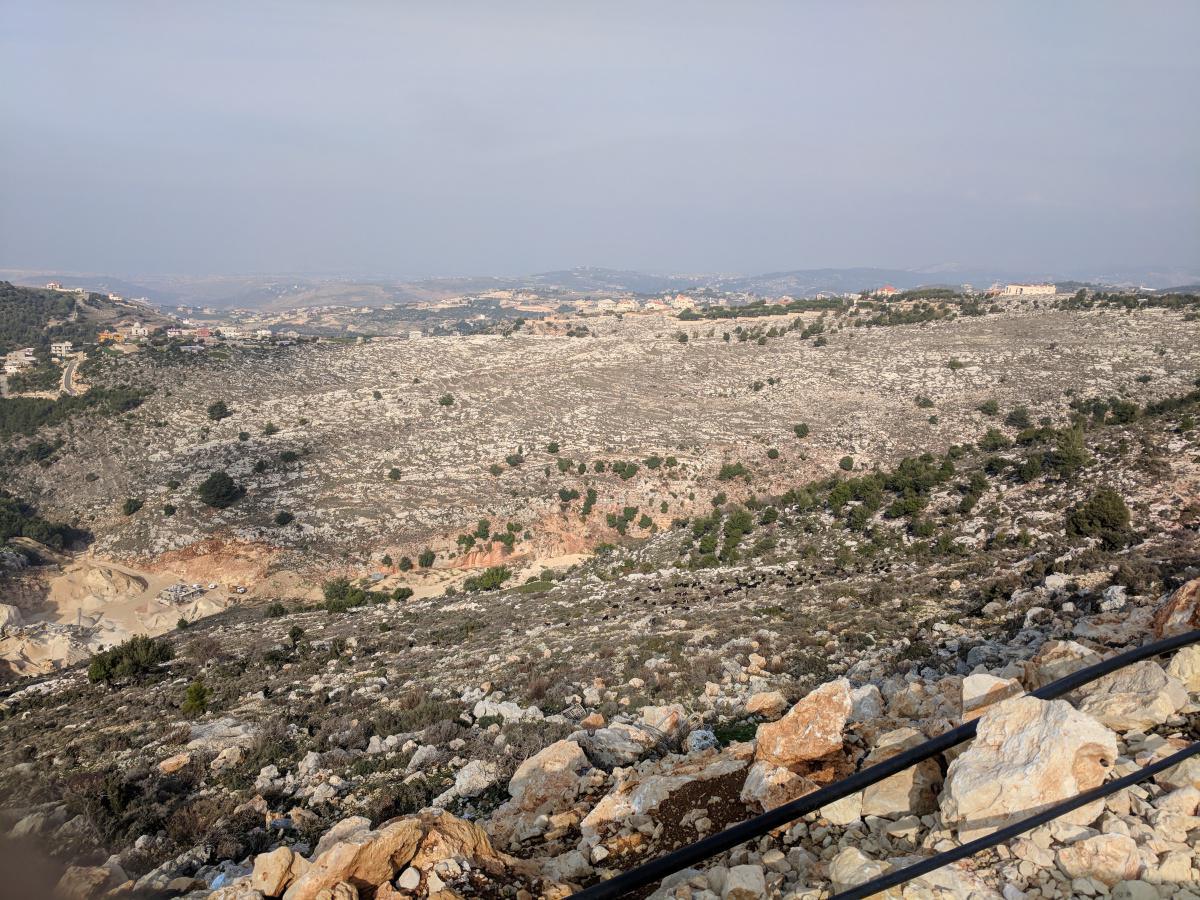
{"points": [[846, 463], [801, 430], [283, 517], [989, 407], [489, 580], [136, 656], [1104, 515], [218, 411], [219, 491], [131, 505]]}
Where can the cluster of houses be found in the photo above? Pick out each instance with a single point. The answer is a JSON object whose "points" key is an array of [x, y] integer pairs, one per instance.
{"points": [[17, 360]]}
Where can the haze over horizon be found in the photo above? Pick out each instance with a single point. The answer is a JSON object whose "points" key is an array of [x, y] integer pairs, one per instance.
{"points": [[413, 141]]}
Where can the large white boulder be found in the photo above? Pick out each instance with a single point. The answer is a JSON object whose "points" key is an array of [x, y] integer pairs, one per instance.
{"points": [[1027, 754]]}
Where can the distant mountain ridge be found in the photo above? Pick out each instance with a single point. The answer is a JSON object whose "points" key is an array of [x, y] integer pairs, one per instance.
{"points": [[281, 291]]}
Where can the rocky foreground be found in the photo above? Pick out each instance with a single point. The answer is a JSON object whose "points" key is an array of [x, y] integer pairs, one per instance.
{"points": [[609, 793]]}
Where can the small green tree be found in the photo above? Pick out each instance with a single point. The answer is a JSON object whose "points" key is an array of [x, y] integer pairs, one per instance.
{"points": [[195, 700], [425, 560]]}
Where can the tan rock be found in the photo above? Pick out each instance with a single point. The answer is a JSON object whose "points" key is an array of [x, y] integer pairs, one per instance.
{"points": [[1181, 775], [851, 867], [174, 763], [1106, 857], [768, 786], [368, 859], [545, 783], [768, 704], [82, 883], [639, 793], [1180, 612], [1055, 660], [911, 792], [592, 721], [1027, 754], [1136, 697], [341, 831], [982, 691], [744, 883], [1185, 666], [810, 730], [237, 890], [342, 891], [845, 811], [274, 871]]}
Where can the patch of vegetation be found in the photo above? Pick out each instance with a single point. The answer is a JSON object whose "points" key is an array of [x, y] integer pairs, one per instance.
{"points": [[137, 656]]}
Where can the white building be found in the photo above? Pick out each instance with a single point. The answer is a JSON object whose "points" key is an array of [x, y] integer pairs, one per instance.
{"points": [[139, 331], [263, 334], [1028, 290], [61, 348], [18, 360]]}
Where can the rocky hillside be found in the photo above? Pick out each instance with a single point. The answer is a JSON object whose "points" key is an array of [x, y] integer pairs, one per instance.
{"points": [[532, 739], [386, 449]]}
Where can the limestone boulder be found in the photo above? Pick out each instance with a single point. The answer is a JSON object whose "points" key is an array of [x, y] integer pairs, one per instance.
{"points": [[1027, 754], [744, 883], [851, 867], [810, 730], [370, 858], [981, 691], [1180, 612], [276, 870], [641, 793], [1185, 666], [1136, 697], [547, 782], [10, 616], [620, 744], [83, 883], [1106, 857], [866, 703], [768, 786], [1055, 660], [911, 792], [768, 704]]}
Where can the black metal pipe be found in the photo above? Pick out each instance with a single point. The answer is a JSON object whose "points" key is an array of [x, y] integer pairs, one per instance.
{"points": [[657, 869], [925, 866]]}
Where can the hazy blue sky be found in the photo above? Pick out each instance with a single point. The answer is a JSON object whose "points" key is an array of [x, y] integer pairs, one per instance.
{"points": [[508, 137]]}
